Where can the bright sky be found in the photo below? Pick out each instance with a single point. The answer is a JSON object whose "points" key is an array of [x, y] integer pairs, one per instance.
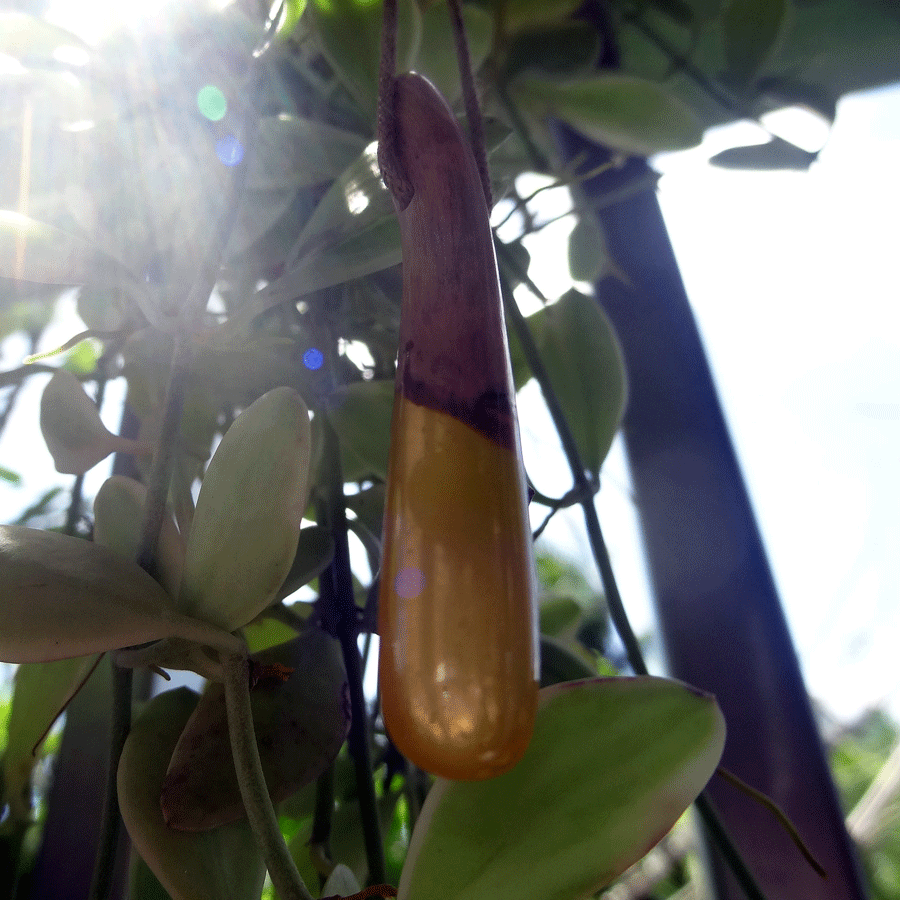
{"points": [[792, 278]]}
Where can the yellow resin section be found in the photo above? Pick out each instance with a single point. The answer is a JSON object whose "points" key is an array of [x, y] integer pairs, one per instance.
{"points": [[458, 659]]}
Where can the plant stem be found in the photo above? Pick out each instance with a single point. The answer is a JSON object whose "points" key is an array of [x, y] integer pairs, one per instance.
{"points": [[346, 614], [323, 813], [111, 823], [720, 836], [570, 448], [722, 839], [254, 792]]}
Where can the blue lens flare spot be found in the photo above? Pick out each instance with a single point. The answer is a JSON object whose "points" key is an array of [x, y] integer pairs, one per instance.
{"points": [[313, 358], [229, 150], [212, 103], [410, 582]]}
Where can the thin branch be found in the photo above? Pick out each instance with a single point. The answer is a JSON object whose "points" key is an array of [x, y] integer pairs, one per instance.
{"points": [[337, 591], [470, 99], [252, 782], [570, 448], [714, 826]]}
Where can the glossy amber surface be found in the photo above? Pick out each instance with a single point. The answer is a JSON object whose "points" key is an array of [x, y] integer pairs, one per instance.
{"points": [[458, 658]]}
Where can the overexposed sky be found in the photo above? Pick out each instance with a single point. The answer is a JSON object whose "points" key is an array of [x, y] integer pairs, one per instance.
{"points": [[792, 277]]}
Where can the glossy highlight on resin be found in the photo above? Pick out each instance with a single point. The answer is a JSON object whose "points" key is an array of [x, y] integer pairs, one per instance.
{"points": [[458, 662], [458, 675]]}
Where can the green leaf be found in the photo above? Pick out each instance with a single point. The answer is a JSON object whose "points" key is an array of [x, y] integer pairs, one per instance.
{"points": [[556, 614], [349, 34], [560, 663], [524, 14], [118, 522], [72, 429], [361, 415], [584, 361], [574, 813], [41, 692], [588, 257], [368, 505], [259, 213], [246, 525], [436, 59], [65, 597], [357, 200], [751, 32], [35, 251], [10, 477], [564, 48], [315, 548], [294, 152], [624, 113], [222, 864], [300, 725], [775, 155]]}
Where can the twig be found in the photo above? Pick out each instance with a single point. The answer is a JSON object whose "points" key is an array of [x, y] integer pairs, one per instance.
{"points": [[570, 448], [251, 780], [337, 590], [470, 99]]}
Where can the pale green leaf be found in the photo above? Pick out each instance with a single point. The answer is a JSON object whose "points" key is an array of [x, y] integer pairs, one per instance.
{"points": [[588, 257], [437, 60], [623, 113], [349, 35], [222, 864], [246, 525], [583, 358], [293, 152], [361, 415], [65, 597], [35, 251], [574, 813], [41, 692]]}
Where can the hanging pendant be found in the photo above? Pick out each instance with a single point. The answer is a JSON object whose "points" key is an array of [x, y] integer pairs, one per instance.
{"points": [[457, 617]]}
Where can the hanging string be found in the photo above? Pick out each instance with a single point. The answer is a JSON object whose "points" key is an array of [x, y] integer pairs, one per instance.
{"points": [[470, 99], [386, 121], [386, 117]]}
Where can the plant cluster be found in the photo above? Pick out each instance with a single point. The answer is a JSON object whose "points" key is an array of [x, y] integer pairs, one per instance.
{"points": [[211, 189]]}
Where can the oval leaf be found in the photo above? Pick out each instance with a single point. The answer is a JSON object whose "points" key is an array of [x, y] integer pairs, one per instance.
{"points": [[315, 548], [623, 113], [222, 864], [751, 29], [361, 416], [300, 725], [349, 34], [524, 835], [293, 152], [773, 156], [118, 520], [584, 361], [588, 256], [247, 522], [41, 693], [65, 597]]}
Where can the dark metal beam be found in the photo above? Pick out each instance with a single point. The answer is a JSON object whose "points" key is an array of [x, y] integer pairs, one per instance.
{"points": [[721, 620]]}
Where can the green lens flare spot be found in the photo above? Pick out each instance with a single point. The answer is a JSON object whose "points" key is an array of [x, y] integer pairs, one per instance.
{"points": [[212, 103]]}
